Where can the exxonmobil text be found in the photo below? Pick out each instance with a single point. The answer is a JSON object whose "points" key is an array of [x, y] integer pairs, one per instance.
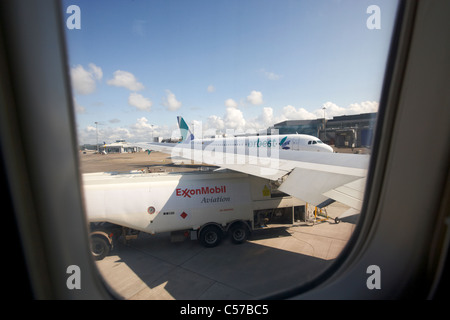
{"points": [[189, 192]]}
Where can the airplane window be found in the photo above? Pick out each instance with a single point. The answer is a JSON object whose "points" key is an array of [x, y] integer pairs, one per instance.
{"points": [[151, 79]]}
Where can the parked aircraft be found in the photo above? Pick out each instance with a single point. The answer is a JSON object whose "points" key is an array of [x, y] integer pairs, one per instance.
{"points": [[245, 145]]}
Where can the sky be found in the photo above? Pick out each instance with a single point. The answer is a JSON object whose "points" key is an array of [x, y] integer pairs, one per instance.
{"points": [[240, 65]]}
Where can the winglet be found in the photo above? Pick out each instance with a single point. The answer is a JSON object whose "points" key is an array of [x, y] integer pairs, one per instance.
{"points": [[186, 134]]}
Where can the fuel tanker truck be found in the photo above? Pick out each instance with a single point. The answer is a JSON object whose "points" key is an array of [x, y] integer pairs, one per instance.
{"points": [[205, 206]]}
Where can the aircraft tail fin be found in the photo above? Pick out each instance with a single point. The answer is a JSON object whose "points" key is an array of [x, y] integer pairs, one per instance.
{"points": [[186, 134]]}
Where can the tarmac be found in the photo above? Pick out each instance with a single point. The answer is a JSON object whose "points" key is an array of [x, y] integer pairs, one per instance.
{"points": [[155, 267], [121, 162]]}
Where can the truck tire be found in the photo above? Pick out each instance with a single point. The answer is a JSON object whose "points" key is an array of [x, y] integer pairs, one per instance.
{"points": [[100, 247], [210, 236], [239, 233]]}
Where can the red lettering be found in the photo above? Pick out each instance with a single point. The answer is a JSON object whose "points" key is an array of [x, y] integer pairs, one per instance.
{"points": [[205, 190], [186, 193]]}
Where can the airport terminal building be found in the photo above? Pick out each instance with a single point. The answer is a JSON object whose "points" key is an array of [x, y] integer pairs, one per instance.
{"points": [[342, 131], [120, 146]]}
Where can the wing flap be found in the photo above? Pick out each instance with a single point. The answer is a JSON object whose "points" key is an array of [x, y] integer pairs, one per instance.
{"points": [[351, 194], [316, 186]]}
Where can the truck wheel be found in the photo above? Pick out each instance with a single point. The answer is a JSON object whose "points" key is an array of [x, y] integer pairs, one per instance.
{"points": [[210, 236], [239, 233], [100, 247]]}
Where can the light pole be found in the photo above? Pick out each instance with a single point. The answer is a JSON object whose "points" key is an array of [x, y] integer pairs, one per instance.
{"points": [[96, 131], [324, 123]]}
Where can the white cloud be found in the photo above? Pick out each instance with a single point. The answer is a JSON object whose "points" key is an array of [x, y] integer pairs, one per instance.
{"points": [[266, 119], [215, 122], [234, 119], [117, 133], [230, 103], [139, 131], [211, 88], [88, 135], [270, 75], [139, 101], [333, 110], [125, 79], [96, 71], [142, 130], [91, 129], [85, 81], [79, 109], [291, 113], [262, 121], [364, 107], [255, 97], [170, 101], [142, 124]]}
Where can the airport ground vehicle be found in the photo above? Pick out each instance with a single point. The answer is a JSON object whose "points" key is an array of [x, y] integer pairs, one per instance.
{"points": [[206, 205]]}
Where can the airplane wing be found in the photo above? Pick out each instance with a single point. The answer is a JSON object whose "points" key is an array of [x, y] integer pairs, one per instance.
{"points": [[153, 146], [313, 177]]}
